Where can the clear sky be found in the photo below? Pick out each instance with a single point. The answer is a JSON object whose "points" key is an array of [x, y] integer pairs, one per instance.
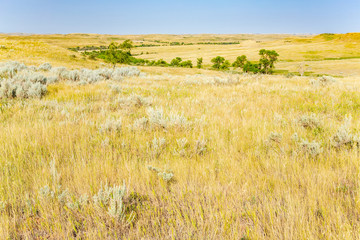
{"points": [[179, 17]]}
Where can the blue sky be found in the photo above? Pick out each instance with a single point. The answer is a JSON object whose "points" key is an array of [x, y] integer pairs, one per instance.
{"points": [[179, 17]]}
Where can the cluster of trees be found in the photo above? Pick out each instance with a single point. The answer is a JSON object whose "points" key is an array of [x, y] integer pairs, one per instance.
{"points": [[203, 43], [95, 48], [117, 53], [220, 63], [121, 53], [176, 62], [265, 65], [87, 48], [147, 45]]}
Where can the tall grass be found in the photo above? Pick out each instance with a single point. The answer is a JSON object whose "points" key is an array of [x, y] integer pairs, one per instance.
{"points": [[251, 160]]}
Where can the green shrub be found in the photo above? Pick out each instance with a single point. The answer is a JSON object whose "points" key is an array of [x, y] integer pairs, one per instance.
{"points": [[175, 62], [161, 62], [199, 62], [186, 64], [251, 67], [92, 57]]}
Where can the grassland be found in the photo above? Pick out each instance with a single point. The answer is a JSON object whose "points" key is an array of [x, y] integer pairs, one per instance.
{"points": [[337, 55], [240, 156]]}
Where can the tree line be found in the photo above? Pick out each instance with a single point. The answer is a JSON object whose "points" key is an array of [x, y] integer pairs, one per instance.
{"points": [[121, 54], [265, 65]]}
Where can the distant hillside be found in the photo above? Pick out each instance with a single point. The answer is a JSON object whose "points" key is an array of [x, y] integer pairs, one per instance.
{"points": [[342, 37]]}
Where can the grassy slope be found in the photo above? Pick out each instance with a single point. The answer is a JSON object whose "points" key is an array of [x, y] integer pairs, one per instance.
{"points": [[242, 186]]}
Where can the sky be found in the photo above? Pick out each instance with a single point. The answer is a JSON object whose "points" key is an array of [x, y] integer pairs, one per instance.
{"points": [[179, 17]]}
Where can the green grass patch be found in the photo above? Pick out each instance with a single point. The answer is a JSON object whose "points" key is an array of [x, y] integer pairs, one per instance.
{"points": [[343, 58]]}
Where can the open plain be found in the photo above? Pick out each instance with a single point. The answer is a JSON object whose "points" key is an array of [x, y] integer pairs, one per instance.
{"points": [[147, 152]]}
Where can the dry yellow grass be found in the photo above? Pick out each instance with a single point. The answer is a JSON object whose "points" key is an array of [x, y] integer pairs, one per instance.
{"points": [[249, 183]]}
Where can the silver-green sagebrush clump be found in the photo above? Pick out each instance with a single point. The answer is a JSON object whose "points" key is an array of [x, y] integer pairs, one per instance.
{"points": [[20, 81], [167, 175], [343, 136]]}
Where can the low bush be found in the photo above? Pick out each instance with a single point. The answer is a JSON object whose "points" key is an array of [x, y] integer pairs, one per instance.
{"points": [[19, 81]]}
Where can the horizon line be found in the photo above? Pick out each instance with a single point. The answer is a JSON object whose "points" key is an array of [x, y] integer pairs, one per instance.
{"points": [[140, 34]]}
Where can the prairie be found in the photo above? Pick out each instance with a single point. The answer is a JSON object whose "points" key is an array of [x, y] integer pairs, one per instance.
{"points": [[173, 153], [337, 54]]}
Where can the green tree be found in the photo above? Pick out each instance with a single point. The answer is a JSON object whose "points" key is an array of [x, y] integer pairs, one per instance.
{"points": [[220, 63], [199, 62], [267, 60], [127, 45], [175, 62], [113, 55], [239, 62], [225, 66], [217, 62]]}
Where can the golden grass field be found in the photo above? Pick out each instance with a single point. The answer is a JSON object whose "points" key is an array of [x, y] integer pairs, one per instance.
{"points": [[253, 157]]}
